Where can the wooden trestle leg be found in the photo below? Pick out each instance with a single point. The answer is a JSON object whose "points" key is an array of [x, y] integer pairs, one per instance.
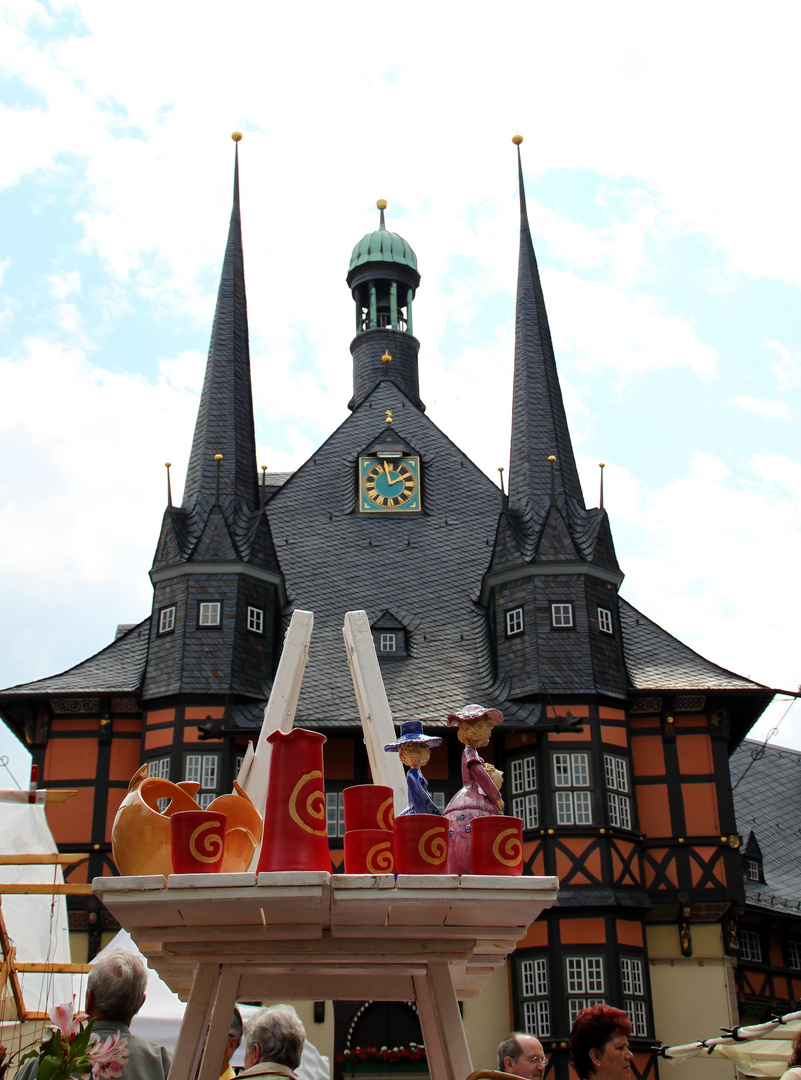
{"points": [[443, 1031]]}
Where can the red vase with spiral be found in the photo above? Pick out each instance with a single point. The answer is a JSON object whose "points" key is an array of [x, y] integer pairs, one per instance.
{"points": [[295, 831]]}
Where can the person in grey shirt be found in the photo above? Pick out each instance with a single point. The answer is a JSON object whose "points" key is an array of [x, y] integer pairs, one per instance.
{"points": [[115, 992]]}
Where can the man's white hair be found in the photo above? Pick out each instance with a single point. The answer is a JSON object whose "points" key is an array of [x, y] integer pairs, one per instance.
{"points": [[278, 1033], [118, 981]]}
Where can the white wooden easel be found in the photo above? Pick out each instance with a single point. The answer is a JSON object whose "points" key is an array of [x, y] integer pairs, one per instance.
{"points": [[219, 938]]}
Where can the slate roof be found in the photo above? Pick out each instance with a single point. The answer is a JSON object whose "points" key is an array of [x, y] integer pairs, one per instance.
{"points": [[117, 669], [766, 782], [657, 661]]}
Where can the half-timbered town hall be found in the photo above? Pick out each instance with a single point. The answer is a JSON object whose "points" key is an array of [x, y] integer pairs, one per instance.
{"points": [[616, 739]]}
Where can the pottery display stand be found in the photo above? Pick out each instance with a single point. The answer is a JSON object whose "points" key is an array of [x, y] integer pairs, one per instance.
{"points": [[312, 936]]}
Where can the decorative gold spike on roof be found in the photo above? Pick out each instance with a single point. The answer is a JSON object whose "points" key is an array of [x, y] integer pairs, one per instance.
{"points": [[385, 359], [389, 416], [218, 457], [382, 204], [237, 136], [517, 139]]}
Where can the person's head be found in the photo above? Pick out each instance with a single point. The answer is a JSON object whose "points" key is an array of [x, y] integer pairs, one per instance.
{"points": [[233, 1040], [522, 1055], [599, 1043], [115, 989], [795, 1053], [274, 1034], [414, 755]]}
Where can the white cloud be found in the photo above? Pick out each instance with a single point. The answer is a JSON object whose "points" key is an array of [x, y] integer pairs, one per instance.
{"points": [[770, 410], [786, 365], [65, 283]]}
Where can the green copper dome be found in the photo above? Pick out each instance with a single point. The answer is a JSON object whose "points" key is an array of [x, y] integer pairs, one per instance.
{"points": [[382, 246]]}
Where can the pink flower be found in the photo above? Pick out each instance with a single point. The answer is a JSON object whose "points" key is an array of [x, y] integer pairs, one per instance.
{"points": [[108, 1057], [66, 1020]]}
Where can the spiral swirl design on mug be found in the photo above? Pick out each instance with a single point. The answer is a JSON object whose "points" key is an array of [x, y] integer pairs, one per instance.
{"points": [[212, 845], [507, 848], [379, 858], [385, 816], [312, 808], [433, 846]]}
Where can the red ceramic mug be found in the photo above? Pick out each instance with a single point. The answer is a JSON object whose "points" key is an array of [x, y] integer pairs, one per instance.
{"points": [[369, 806], [496, 845], [197, 841], [369, 851], [421, 844]]}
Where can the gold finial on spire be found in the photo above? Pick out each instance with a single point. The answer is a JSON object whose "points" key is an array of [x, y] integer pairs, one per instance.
{"points": [[552, 458], [601, 466], [517, 139], [389, 416], [382, 204], [385, 359], [237, 136], [218, 457]]}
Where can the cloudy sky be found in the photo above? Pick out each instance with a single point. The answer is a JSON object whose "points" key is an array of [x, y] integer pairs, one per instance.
{"points": [[662, 164]]}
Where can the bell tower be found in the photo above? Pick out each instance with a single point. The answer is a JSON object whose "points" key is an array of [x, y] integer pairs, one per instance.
{"points": [[383, 280]]}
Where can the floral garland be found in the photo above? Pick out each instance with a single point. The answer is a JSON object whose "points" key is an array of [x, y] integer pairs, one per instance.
{"points": [[72, 1049], [413, 1052]]}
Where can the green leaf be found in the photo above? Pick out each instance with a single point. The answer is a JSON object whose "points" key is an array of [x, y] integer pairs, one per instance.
{"points": [[48, 1066]]}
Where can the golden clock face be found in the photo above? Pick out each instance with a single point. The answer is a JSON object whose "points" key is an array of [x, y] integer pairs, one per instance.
{"points": [[389, 485]]}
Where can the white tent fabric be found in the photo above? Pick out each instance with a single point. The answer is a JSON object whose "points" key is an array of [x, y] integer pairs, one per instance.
{"points": [[159, 1019], [757, 1050], [37, 925]]}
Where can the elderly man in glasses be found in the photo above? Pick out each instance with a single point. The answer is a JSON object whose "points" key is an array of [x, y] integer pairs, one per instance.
{"points": [[522, 1055]]}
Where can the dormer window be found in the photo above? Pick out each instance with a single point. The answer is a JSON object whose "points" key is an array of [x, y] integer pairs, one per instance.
{"points": [[256, 620], [209, 613], [605, 620], [752, 869], [562, 616], [514, 622], [389, 637]]}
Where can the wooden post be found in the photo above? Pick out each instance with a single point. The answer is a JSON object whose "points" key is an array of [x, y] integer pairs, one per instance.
{"points": [[371, 697], [195, 1023], [280, 712]]}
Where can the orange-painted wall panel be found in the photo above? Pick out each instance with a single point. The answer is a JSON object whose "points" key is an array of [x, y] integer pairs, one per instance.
{"points": [[611, 714], [127, 724], [78, 875], [629, 933], [776, 957], [70, 759], [648, 755], [653, 809], [701, 809], [617, 736], [124, 759], [536, 936], [516, 740], [162, 737], [61, 724], [691, 721], [203, 712], [161, 716], [338, 759], [565, 865], [115, 797], [639, 722], [695, 754], [437, 768], [71, 821], [582, 931]]}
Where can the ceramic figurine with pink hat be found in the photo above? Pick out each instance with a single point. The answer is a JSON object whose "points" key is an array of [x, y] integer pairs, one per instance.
{"points": [[480, 795], [414, 749]]}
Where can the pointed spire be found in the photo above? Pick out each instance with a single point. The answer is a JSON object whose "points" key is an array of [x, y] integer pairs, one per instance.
{"points": [[382, 205], [225, 417], [539, 424]]}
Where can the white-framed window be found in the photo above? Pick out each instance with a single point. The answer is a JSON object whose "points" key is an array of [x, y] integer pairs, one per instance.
{"points": [[439, 799], [534, 997], [256, 620], [335, 813], [752, 869], [616, 770], [167, 619], [605, 620], [571, 772], [585, 977], [525, 803], [561, 616], [160, 767], [631, 977], [514, 622], [209, 613], [750, 946], [794, 954], [387, 641], [203, 769]]}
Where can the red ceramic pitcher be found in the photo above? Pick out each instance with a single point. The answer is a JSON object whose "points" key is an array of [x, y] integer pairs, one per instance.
{"points": [[295, 832]]}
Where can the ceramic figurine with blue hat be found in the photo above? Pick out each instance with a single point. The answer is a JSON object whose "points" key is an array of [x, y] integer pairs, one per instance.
{"points": [[414, 749]]}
